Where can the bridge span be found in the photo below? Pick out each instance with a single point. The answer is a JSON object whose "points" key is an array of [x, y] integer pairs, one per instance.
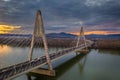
{"points": [[24, 67], [32, 64]]}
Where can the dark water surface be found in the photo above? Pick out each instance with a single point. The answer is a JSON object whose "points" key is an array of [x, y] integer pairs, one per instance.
{"points": [[96, 65]]}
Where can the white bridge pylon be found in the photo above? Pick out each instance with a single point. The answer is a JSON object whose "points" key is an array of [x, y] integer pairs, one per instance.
{"points": [[39, 32], [81, 36]]}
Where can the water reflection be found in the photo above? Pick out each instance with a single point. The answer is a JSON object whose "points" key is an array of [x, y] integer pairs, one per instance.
{"points": [[4, 49], [97, 65], [62, 69], [82, 64], [112, 52]]}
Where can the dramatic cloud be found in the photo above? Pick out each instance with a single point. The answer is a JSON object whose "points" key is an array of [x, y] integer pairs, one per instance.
{"points": [[8, 28], [6, 0], [63, 15]]}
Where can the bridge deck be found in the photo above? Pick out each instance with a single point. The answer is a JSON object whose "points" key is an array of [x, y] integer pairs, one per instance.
{"points": [[18, 69]]}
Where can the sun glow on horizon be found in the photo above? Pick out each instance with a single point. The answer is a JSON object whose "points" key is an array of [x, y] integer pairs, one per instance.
{"points": [[97, 32], [4, 29]]}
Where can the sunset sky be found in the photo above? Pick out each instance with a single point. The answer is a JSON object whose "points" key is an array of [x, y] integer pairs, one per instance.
{"points": [[96, 16]]}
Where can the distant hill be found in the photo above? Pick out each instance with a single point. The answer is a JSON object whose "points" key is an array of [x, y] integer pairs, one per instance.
{"points": [[15, 35], [110, 36], [66, 35], [92, 36], [60, 35], [50, 35]]}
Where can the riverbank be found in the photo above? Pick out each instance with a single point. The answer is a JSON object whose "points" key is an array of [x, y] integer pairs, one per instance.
{"points": [[24, 42], [107, 44], [61, 42]]}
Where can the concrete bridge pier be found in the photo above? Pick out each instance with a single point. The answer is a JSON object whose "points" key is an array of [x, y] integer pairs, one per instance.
{"points": [[44, 71]]}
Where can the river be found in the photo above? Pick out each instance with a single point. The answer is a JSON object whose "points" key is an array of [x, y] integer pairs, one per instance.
{"points": [[96, 65]]}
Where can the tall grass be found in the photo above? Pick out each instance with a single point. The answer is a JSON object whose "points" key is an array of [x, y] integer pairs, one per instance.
{"points": [[107, 44]]}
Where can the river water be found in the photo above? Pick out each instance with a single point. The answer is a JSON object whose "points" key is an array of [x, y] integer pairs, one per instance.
{"points": [[96, 65]]}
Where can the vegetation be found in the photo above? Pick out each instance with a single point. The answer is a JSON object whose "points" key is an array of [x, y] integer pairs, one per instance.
{"points": [[60, 42], [107, 44]]}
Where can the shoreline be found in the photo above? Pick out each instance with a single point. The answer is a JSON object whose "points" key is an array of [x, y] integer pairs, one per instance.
{"points": [[107, 44], [60, 42]]}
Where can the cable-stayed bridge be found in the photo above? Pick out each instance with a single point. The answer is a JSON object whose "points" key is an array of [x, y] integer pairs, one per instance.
{"points": [[32, 65]]}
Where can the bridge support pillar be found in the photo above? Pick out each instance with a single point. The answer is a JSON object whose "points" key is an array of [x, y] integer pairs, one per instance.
{"points": [[44, 72], [39, 32], [83, 51], [81, 34]]}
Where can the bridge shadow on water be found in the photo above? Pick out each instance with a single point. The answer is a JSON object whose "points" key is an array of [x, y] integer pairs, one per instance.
{"points": [[60, 70]]}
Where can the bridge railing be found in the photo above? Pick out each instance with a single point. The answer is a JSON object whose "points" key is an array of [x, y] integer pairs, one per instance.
{"points": [[43, 57], [24, 66]]}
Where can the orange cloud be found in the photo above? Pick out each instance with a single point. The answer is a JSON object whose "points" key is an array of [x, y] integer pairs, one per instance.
{"points": [[98, 32], [4, 29]]}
